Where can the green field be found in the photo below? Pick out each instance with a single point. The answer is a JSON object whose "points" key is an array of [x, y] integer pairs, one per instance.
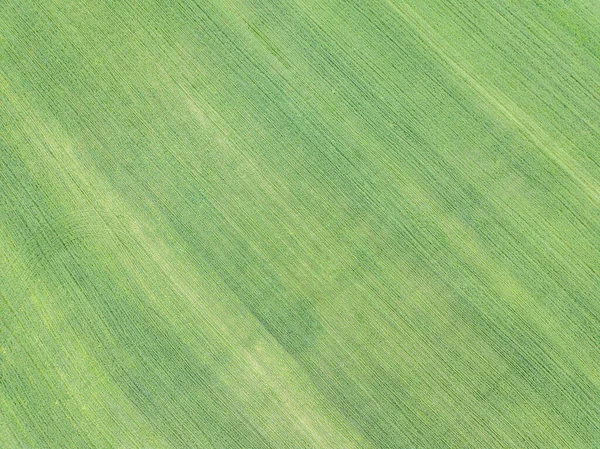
{"points": [[299, 224]]}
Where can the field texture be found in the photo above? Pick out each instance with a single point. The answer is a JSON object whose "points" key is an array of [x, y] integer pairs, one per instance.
{"points": [[299, 224]]}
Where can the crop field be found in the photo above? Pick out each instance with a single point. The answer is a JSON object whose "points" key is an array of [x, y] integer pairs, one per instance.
{"points": [[299, 224]]}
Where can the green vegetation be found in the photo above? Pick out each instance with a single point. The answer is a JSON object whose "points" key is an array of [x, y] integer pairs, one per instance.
{"points": [[299, 224]]}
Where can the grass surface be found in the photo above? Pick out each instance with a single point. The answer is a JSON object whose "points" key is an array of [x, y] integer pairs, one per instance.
{"points": [[299, 224]]}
